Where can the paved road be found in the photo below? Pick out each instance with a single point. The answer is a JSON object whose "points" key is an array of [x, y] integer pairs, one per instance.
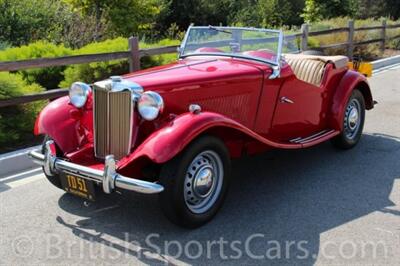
{"points": [[317, 205]]}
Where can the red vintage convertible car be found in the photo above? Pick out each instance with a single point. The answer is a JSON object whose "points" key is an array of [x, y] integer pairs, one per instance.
{"points": [[173, 129]]}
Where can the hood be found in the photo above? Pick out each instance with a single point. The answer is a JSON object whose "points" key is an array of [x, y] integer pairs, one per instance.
{"points": [[194, 71]]}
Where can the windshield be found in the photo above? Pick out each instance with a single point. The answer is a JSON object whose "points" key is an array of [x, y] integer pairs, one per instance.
{"points": [[248, 43]]}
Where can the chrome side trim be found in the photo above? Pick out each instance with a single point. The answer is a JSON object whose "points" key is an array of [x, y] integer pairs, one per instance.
{"points": [[318, 135], [109, 178]]}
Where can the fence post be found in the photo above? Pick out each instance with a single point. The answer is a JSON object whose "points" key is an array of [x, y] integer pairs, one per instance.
{"points": [[134, 58], [350, 40], [383, 35], [304, 37]]}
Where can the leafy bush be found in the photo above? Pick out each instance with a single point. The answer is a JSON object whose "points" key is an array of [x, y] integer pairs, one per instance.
{"points": [[16, 122], [94, 71], [100, 70], [395, 43], [4, 45], [151, 61], [48, 77]]}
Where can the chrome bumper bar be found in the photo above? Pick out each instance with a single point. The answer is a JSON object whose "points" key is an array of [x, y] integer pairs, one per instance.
{"points": [[109, 178]]}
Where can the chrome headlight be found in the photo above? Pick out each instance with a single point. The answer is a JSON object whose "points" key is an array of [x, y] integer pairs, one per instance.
{"points": [[150, 105], [78, 94]]}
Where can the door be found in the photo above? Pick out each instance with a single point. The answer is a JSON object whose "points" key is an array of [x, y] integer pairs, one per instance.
{"points": [[299, 110]]}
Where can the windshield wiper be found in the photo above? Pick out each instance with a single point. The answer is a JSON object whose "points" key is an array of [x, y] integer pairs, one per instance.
{"points": [[219, 30]]}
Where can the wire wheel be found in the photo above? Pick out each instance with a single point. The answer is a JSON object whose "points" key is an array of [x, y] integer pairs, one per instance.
{"points": [[203, 181]]}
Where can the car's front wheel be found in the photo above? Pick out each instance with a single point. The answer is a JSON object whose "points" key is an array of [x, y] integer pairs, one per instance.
{"points": [[195, 182], [353, 122]]}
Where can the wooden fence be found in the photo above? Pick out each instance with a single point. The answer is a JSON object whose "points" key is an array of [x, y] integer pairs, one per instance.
{"points": [[134, 54]]}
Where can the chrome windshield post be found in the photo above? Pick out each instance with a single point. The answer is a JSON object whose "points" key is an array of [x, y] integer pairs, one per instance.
{"points": [[276, 72]]}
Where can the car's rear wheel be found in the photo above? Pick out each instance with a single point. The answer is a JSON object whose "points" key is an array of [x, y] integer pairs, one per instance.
{"points": [[54, 179], [195, 182], [353, 122]]}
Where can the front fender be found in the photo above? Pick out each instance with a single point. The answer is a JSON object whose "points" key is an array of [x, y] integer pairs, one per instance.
{"points": [[56, 121], [163, 144], [350, 81]]}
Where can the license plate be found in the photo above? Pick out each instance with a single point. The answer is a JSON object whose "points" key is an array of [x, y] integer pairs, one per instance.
{"points": [[78, 186]]}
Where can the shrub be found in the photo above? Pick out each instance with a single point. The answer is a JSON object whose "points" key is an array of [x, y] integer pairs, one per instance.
{"points": [[150, 61], [4, 45], [48, 77], [94, 71], [395, 43], [16, 122], [100, 70]]}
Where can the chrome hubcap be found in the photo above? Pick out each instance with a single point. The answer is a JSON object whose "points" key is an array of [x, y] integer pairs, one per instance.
{"points": [[352, 118], [203, 181]]}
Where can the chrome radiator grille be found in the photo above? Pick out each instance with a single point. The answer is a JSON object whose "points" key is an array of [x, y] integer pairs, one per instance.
{"points": [[112, 122]]}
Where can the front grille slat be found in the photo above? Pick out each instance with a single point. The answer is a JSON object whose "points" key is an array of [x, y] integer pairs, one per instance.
{"points": [[113, 122]]}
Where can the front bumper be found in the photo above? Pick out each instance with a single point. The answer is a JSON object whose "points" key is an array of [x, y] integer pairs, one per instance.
{"points": [[109, 178]]}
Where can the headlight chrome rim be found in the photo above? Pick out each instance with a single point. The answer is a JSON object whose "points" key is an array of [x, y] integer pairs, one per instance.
{"points": [[78, 94], [150, 105]]}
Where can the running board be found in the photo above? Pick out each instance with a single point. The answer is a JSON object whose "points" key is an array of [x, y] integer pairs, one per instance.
{"points": [[312, 138]]}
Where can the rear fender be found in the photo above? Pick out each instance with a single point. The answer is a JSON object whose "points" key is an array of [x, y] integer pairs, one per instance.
{"points": [[56, 121], [165, 143], [349, 82]]}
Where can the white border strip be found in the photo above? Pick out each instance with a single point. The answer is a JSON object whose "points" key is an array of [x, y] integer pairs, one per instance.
{"points": [[385, 62], [16, 161]]}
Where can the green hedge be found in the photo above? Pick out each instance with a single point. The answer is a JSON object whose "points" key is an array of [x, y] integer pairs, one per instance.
{"points": [[48, 77], [100, 70], [63, 76], [16, 122]]}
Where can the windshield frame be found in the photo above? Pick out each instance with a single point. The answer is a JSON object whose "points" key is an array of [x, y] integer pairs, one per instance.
{"points": [[233, 55]]}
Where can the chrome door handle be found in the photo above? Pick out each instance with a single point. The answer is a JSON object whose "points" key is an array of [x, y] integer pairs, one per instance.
{"points": [[286, 100]]}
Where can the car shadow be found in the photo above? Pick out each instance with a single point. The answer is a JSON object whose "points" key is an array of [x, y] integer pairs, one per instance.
{"points": [[278, 197]]}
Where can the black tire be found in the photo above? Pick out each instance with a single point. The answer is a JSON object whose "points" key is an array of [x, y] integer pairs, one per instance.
{"points": [[55, 179], [313, 52], [347, 139], [174, 176]]}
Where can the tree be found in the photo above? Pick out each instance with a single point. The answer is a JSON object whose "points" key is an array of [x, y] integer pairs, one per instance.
{"points": [[316, 10], [269, 13], [377, 9], [126, 17], [91, 7], [133, 17], [24, 21]]}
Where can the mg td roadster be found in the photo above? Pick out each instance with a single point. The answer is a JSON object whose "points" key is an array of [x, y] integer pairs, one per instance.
{"points": [[173, 129]]}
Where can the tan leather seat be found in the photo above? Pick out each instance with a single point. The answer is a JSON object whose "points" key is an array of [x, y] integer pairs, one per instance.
{"points": [[311, 68]]}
